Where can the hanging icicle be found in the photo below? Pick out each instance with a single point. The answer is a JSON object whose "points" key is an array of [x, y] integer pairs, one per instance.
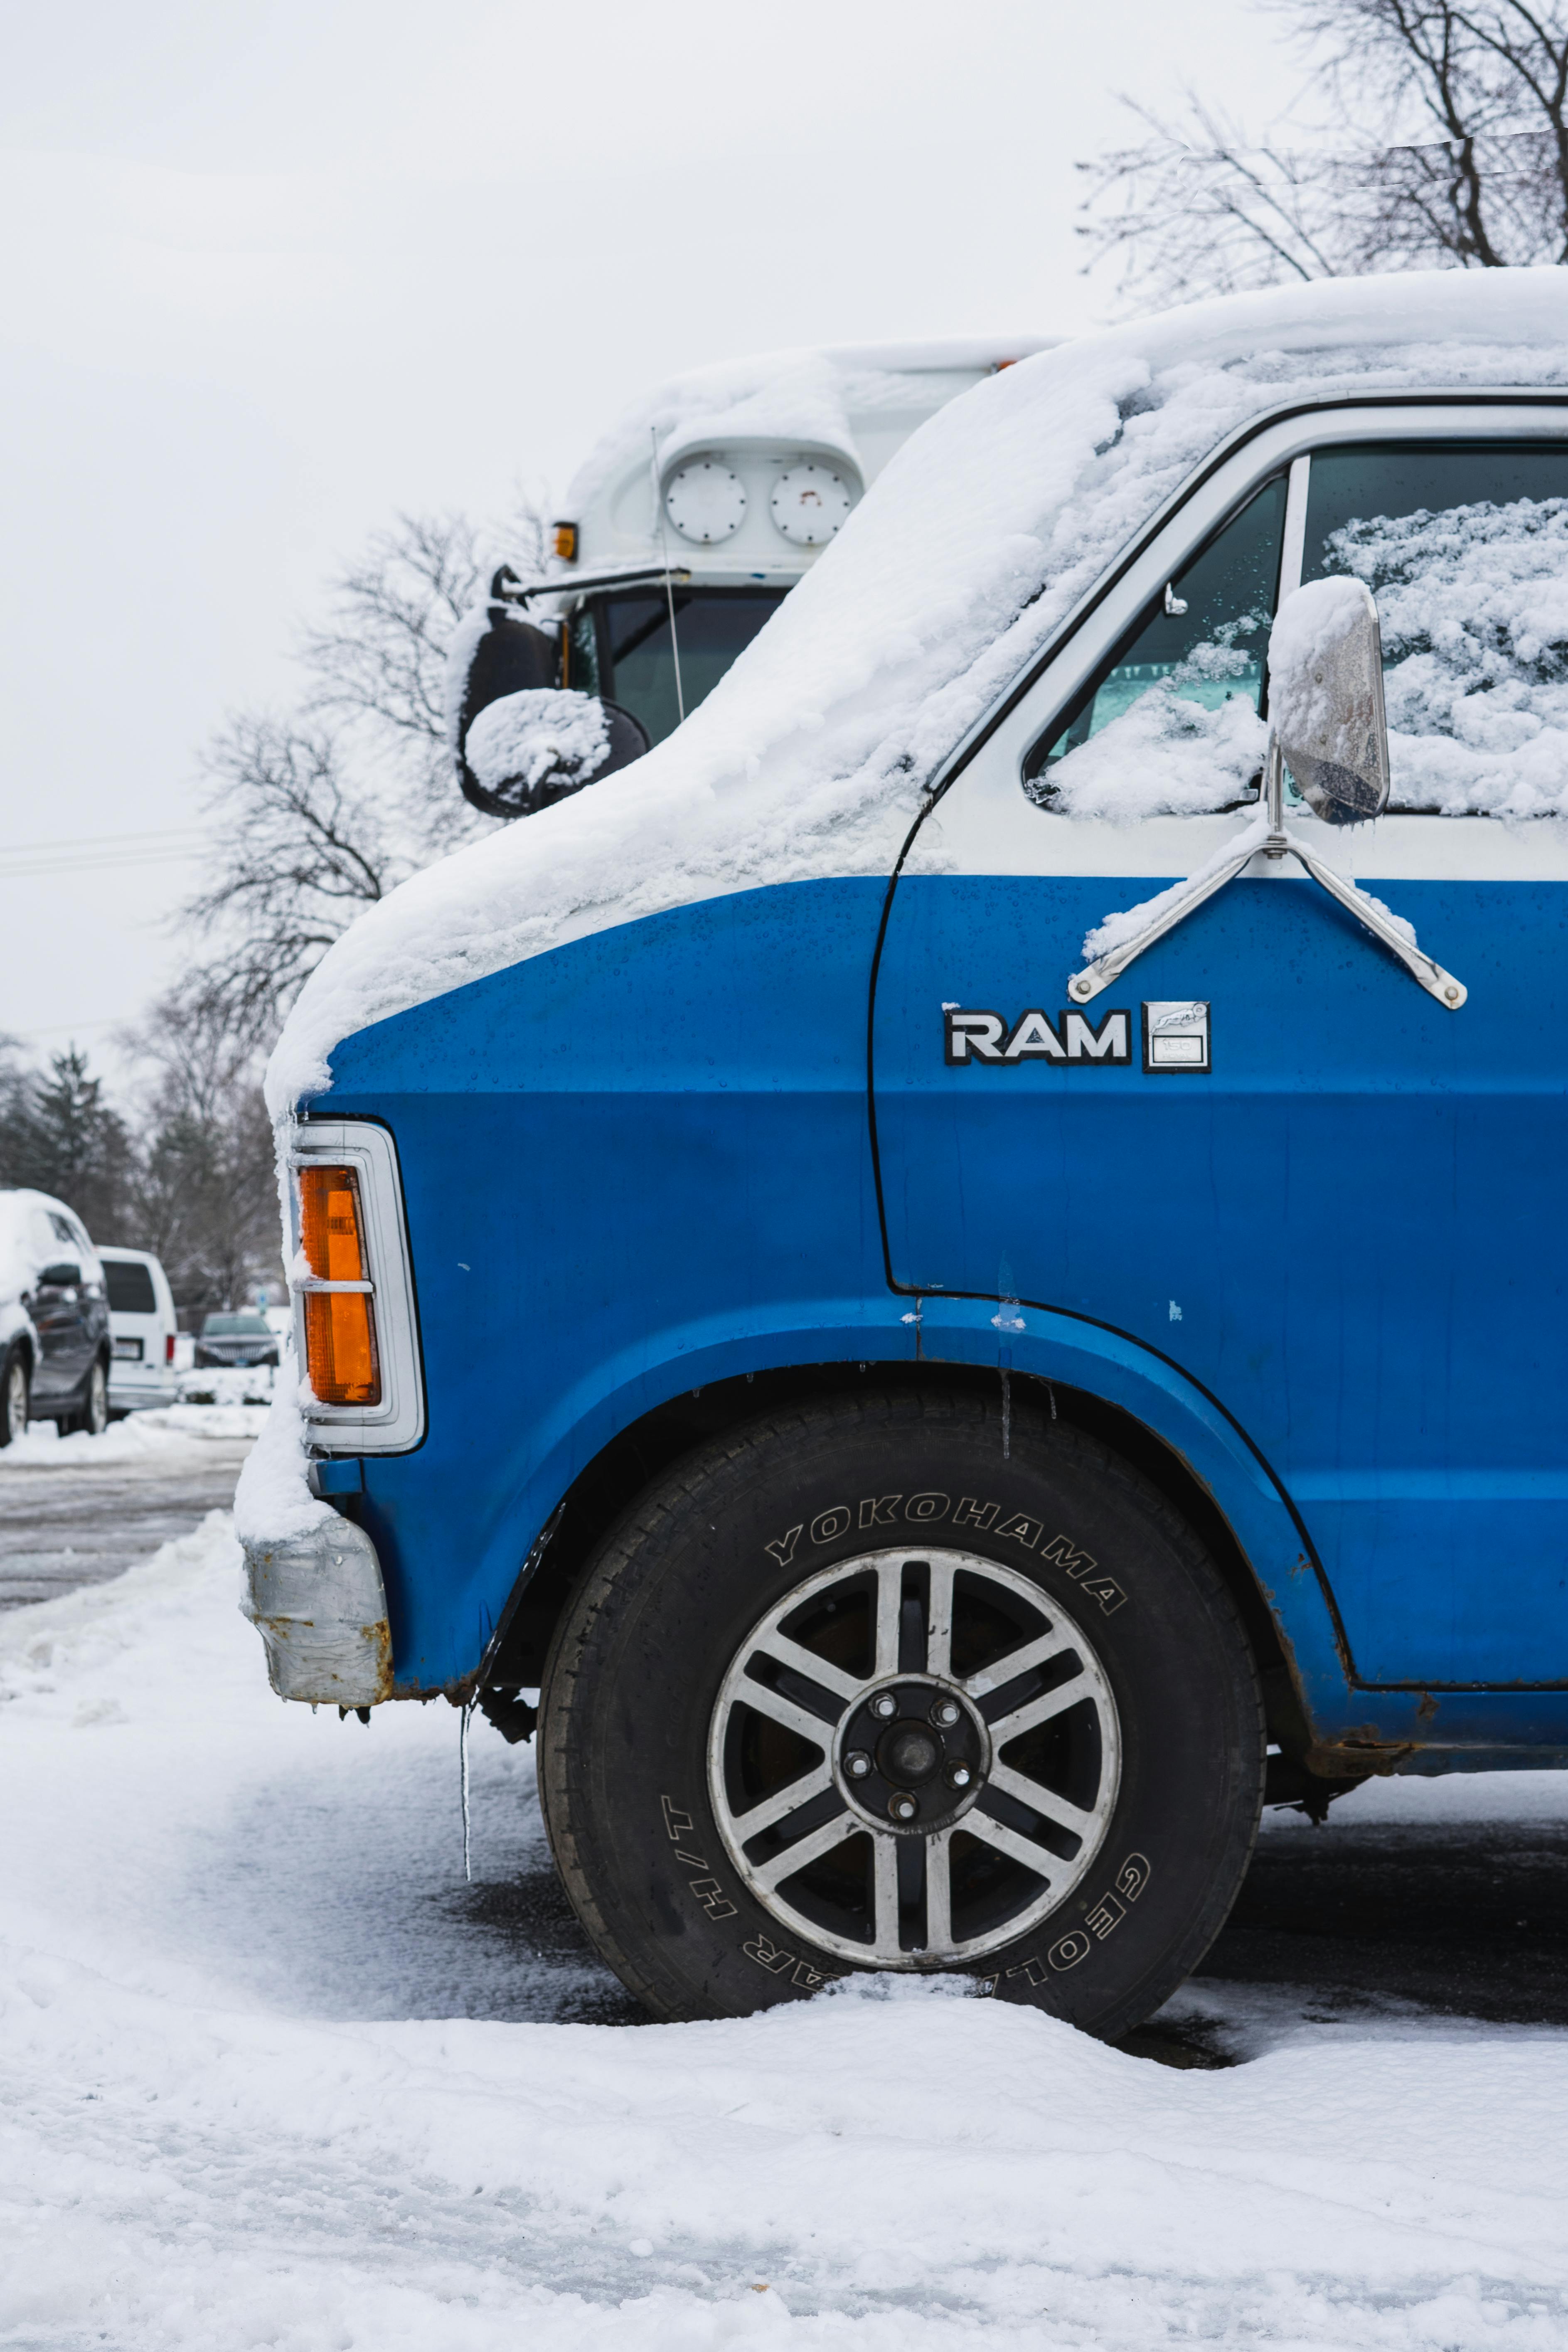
{"points": [[463, 1770]]}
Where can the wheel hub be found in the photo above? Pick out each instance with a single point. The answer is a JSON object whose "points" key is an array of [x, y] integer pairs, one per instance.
{"points": [[913, 1758], [917, 1767]]}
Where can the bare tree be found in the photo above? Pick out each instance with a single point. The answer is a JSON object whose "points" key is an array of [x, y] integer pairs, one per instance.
{"points": [[380, 658], [318, 814], [302, 847], [1445, 145], [203, 1191]]}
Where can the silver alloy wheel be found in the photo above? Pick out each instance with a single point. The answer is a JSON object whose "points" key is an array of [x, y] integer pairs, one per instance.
{"points": [[95, 1416], [967, 1758], [15, 1399]]}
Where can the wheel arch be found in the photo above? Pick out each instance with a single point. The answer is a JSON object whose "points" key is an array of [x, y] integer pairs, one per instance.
{"points": [[643, 1451]]}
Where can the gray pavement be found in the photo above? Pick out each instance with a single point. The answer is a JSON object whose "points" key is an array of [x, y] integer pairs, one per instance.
{"points": [[85, 1523]]}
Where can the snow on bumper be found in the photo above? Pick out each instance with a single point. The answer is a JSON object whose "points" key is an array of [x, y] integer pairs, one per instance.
{"points": [[318, 1603]]}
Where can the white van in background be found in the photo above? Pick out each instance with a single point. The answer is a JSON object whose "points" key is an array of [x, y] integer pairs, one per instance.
{"points": [[142, 1327]]}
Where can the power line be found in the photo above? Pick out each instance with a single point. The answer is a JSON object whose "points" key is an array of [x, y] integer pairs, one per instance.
{"points": [[97, 851]]}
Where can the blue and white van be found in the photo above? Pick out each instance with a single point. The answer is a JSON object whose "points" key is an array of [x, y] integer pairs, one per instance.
{"points": [[963, 1267]]}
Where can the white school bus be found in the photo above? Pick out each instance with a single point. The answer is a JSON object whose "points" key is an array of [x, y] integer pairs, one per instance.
{"points": [[687, 526]]}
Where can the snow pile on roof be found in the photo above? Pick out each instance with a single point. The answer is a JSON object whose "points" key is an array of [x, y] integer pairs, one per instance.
{"points": [[792, 396], [275, 2078], [974, 548]]}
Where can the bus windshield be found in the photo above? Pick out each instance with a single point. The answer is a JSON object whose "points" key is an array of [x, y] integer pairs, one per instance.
{"points": [[620, 647]]}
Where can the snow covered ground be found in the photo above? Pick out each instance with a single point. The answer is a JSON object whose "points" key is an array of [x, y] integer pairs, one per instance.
{"points": [[263, 2080], [140, 1437]]}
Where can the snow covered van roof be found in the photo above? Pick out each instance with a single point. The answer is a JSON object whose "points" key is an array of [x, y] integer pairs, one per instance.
{"points": [[852, 404], [980, 540]]}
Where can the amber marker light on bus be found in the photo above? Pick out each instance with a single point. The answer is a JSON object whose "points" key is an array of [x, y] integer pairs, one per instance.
{"points": [[563, 539], [339, 1315]]}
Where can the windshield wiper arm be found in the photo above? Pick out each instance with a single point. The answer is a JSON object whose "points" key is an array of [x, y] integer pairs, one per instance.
{"points": [[1267, 834]]}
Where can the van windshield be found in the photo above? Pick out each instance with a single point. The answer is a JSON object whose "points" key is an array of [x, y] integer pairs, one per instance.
{"points": [[621, 647]]}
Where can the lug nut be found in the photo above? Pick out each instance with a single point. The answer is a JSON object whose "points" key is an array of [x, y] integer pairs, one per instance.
{"points": [[903, 1808], [884, 1705], [946, 1713], [959, 1776], [857, 1764]]}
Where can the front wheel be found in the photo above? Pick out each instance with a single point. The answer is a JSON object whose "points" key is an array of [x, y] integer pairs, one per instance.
{"points": [[874, 1685]]}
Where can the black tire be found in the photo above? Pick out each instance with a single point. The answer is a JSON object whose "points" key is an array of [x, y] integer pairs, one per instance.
{"points": [[1052, 1540], [92, 1411], [14, 1393]]}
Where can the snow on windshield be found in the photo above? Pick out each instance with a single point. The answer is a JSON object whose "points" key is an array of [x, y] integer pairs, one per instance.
{"points": [[1474, 607], [1169, 754], [975, 545]]}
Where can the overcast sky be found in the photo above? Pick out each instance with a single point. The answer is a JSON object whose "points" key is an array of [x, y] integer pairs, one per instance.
{"points": [[275, 269]]}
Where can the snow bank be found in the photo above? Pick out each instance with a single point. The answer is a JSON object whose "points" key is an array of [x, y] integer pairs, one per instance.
{"points": [[255, 2093], [228, 1384], [140, 1435], [226, 1418], [527, 735], [273, 1502], [975, 545]]}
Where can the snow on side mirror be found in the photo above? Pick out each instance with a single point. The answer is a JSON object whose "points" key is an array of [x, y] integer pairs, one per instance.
{"points": [[519, 738], [542, 743], [1325, 699]]}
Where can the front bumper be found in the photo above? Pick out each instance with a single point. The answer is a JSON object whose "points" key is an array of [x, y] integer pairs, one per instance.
{"points": [[318, 1602]]}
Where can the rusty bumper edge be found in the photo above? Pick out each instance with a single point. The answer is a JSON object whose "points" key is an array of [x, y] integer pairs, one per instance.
{"points": [[318, 1602]]}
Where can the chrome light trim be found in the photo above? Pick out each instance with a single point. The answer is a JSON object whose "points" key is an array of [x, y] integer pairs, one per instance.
{"points": [[398, 1423]]}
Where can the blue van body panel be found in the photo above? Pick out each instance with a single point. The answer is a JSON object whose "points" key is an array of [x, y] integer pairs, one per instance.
{"points": [[1448, 1729], [641, 1162], [630, 1166], [1350, 1231]]}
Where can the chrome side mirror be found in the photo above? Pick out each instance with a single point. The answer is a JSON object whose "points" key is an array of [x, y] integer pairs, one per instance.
{"points": [[1327, 725], [1325, 699]]}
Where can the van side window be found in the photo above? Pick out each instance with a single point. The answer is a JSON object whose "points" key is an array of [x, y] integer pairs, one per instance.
{"points": [[1465, 546], [1201, 641]]}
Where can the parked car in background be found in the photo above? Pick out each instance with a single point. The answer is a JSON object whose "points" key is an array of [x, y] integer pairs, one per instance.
{"points": [[54, 1318], [242, 1337], [143, 1328]]}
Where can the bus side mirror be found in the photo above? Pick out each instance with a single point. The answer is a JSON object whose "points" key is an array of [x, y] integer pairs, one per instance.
{"points": [[1325, 699], [520, 739]]}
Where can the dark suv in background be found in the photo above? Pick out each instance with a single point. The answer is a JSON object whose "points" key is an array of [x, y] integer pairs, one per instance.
{"points": [[241, 1338], [54, 1318]]}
